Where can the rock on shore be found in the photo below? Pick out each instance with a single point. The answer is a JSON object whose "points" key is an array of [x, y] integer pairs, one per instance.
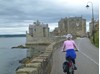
{"points": [[20, 46]]}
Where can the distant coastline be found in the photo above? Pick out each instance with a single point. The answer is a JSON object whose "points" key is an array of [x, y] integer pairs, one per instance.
{"points": [[13, 35]]}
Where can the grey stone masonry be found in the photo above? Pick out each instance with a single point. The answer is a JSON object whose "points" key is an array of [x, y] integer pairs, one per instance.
{"points": [[41, 64], [27, 70], [38, 29], [38, 35], [72, 25]]}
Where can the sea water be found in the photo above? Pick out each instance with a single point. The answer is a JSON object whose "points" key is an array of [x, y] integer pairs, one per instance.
{"points": [[9, 58]]}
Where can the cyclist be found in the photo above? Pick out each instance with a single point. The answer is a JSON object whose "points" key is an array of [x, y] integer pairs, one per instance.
{"points": [[69, 47]]}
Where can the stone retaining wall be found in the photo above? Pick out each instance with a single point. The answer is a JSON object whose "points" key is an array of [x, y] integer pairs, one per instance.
{"points": [[41, 64]]}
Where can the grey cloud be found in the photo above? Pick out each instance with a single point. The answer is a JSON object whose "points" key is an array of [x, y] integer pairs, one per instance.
{"points": [[17, 11]]}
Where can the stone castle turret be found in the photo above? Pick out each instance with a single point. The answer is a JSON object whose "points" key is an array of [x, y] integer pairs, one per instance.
{"points": [[38, 34], [38, 29]]}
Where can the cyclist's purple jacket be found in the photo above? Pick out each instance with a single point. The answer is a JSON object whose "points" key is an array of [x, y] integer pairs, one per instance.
{"points": [[69, 44]]}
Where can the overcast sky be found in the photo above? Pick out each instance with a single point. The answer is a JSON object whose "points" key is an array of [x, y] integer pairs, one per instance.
{"points": [[16, 15]]}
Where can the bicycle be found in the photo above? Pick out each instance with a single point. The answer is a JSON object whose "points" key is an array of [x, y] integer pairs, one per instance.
{"points": [[69, 65]]}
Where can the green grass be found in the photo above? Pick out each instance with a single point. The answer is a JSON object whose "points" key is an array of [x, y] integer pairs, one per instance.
{"points": [[96, 39]]}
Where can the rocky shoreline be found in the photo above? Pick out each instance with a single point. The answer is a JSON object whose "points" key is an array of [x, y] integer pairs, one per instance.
{"points": [[20, 46]]}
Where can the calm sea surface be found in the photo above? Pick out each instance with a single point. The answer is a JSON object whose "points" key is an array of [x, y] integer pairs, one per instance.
{"points": [[9, 58]]}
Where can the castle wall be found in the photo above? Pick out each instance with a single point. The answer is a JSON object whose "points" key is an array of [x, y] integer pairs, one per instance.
{"points": [[41, 64], [73, 25]]}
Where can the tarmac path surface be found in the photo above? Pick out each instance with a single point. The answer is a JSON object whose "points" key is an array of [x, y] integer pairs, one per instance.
{"points": [[87, 60]]}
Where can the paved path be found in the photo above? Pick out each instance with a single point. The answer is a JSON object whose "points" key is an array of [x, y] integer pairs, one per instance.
{"points": [[87, 58]]}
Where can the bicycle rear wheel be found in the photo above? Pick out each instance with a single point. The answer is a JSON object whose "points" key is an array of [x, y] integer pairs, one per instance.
{"points": [[70, 72]]}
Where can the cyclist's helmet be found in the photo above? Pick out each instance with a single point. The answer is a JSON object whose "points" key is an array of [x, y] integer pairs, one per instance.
{"points": [[69, 36]]}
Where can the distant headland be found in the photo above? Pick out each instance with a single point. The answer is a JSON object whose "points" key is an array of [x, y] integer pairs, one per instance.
{"points": [[13, 35]]}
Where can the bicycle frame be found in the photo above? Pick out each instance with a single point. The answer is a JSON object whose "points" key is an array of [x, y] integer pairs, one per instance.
{"points": [[70, 65]]}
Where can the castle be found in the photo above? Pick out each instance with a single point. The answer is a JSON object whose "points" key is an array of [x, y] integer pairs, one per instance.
{"points": [[72, 25], [38, 34]]}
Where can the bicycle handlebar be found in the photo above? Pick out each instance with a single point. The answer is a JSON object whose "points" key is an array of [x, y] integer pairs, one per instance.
{"points": [[75, 50]]}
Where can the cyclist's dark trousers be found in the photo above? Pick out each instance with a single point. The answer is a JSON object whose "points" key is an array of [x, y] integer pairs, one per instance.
{"points": [[73, 60]]}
